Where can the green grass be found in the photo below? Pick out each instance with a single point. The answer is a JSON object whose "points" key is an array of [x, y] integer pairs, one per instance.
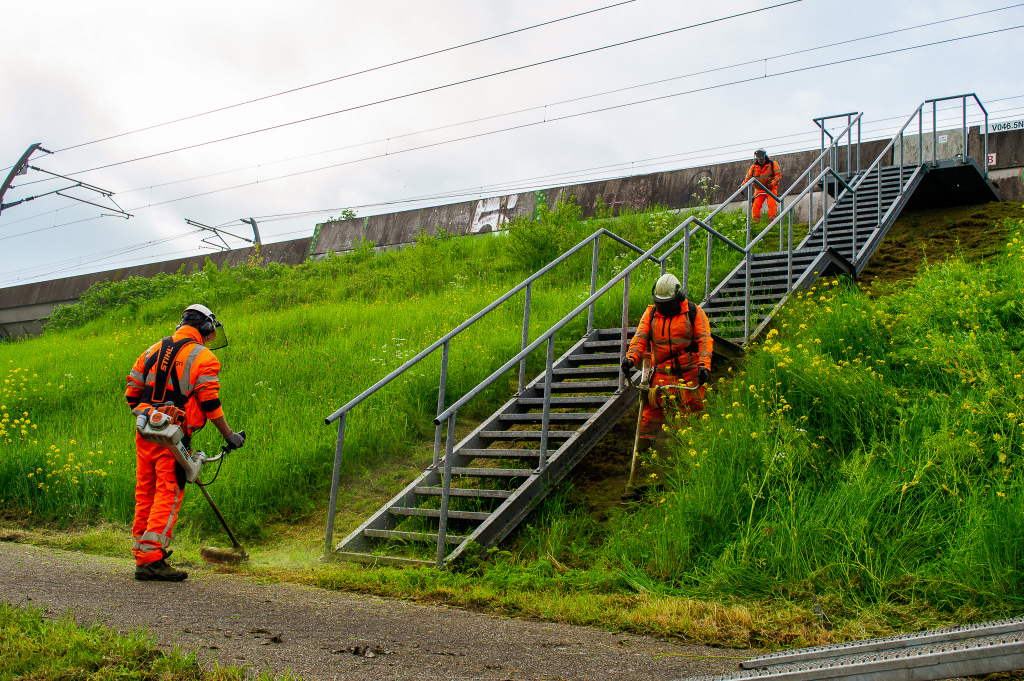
{"points": [[867, 452], [304, 340], [33, 647]]}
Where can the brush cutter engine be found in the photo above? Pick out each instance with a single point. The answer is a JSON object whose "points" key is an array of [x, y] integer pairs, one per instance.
{"points": [[166, 430]]}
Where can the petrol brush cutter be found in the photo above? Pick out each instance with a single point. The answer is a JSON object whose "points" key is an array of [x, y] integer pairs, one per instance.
{"points": [[164, 426], [647, 395]]}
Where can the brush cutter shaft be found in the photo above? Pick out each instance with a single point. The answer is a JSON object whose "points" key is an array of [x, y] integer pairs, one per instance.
{"points": [[223, 522]]}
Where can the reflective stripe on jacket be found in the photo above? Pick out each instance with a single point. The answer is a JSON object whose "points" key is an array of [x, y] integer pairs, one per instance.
{"points": [[673, 339], [192, 384]]}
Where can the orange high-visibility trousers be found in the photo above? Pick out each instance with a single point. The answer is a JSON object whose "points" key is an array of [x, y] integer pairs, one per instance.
{"points": [[686, 401], [759, 199], [158, 497]]}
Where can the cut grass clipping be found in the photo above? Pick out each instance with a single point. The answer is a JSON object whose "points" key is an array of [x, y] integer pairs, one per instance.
{"points": [[33, 647]]}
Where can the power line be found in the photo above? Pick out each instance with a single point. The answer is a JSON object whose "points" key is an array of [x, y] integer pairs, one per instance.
{"points": [[658, 160], [574, 99], [349, 75], [437, 87], [585, 113]]}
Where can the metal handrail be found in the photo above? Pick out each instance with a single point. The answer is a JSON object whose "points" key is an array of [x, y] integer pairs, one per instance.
{"points": [[448, 414]]}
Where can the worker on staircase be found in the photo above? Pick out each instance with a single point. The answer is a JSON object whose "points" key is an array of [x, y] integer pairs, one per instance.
{"points": [[769, 174], [676, 334], [178, 376]]}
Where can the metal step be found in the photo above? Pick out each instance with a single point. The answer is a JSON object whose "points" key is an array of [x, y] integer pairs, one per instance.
{"points": [[436, 513], [526, 434], [596, 358], [493, 472], [462, 492], [538, 417], [413, 536], [500, 453], [595, 400]]}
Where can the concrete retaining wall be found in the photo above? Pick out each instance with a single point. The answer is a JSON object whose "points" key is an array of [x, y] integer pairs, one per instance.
{"points": [[22, 307]]}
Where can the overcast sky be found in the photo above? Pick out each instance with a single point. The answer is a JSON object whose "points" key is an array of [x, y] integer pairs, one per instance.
{"points": [[77, 72]]}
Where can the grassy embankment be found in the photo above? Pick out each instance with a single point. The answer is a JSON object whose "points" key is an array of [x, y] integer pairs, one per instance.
{"points": [[867, 455], [304, 341], [33, 647]]}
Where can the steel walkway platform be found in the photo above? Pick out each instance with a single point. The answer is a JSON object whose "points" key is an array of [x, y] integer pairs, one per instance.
{"points": [[949, 653]]}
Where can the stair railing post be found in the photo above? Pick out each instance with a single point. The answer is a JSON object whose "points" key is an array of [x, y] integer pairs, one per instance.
{"points": [[963, 154], [750, 212], [546, 419], [707, 267], [878, 202], [686, 262], [854, 227], [526, 336], [824, 214], [593, 286], [901, 160], [986, 142], [335, 478], [789, 256], [746, 298], [860, 117], [920, 135], [782, 211], [849, 144], [935, 137], [625, 329], [440, 401], [446, 487]]}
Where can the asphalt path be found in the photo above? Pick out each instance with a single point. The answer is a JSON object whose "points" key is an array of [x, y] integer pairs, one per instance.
{"points": [[318, 634]]}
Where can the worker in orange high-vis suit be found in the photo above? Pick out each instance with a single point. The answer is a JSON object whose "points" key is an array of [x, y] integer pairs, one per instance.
{"points": [[676, 335], [177, 373], [769, 174]]}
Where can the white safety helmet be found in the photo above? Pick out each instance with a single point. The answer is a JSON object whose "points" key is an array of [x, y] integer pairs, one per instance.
{"points": [[203, 319], [668, 289]]}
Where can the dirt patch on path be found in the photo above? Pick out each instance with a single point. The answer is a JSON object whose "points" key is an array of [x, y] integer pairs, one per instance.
{"points": [[325, 635]]}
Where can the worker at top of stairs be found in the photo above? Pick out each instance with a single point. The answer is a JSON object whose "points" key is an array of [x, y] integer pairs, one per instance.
{"points": [[769, 174], [677, 336]]}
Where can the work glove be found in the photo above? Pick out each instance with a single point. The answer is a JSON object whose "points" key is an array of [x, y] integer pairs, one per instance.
{"points": [[235, 440], [702, 376], [627, 366]]}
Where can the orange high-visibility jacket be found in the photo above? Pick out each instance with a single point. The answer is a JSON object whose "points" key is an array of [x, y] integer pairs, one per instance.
{"points": [[192, 384], [673, 339], [769, 175]]}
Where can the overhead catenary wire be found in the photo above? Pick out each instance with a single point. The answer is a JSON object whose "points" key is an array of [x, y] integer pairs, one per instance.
{"points": [[453, 193], [573, 99], [580, 114], [348, 75], [435, 88]]}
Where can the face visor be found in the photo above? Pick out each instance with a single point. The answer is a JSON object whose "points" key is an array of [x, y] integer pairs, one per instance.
{"points": [[220, 338], [761, 158]]}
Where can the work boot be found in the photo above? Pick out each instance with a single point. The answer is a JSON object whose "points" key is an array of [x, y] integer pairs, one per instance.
{"points": [[159, 571]]}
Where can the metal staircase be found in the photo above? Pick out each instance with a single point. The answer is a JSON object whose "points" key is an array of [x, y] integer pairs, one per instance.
{"points": [[859, 208], [478, 490], [500, 469]]}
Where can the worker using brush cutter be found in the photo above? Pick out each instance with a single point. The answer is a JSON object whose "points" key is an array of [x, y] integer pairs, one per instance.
{"points": [[173, 383], [676, 336]]}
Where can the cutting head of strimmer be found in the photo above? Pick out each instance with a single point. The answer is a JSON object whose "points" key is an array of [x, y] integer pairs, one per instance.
{"points": [[211, 554]]}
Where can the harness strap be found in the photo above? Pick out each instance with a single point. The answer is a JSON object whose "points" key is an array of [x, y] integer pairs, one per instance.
{"points": [[162, 362]]}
